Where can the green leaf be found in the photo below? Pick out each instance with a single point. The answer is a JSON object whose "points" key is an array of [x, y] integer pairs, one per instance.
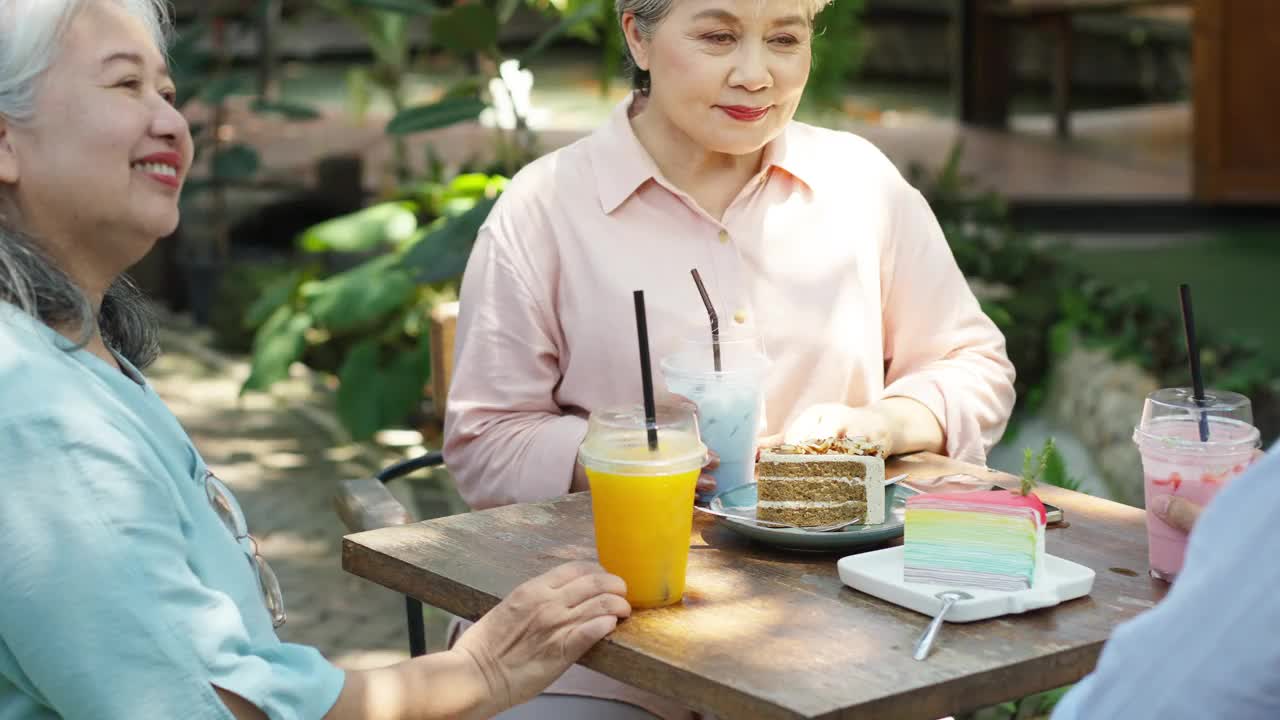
{"points": [[186, 45], [289, 110], [466, 28], [359, 93], [1061, 338], [195, 186], [235, 162], [470, 87], [507, 8], [188, 63], [436, 115], [441, 254], [1055, 469], [1050, 699], [404, 7], [275, 295], [279, 343], [589, 10], [1033, 469], [373, 395], [376, 226], [221, 88], [998, 314], [357, 401], [469, 185], [360, 296]]}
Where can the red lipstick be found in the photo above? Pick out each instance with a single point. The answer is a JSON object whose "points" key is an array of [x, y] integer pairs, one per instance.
{"points": [[163, 167], [744, 113]]}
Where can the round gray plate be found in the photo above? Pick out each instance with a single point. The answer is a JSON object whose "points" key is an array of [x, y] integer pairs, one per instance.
{"points": [[740, 501]]}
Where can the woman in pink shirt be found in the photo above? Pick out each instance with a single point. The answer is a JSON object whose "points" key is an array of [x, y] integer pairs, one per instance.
{"points": [[807, 236]]}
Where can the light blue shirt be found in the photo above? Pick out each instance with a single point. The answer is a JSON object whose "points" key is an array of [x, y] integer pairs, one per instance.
{"points": [[1211, 648], [122, 594]]}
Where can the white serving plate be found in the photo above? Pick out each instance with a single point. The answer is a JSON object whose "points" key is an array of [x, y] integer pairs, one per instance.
{"points": [[879, 573]]}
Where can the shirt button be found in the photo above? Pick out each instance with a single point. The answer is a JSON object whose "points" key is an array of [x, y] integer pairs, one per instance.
{"points": [[724, 236], [740, 317]]}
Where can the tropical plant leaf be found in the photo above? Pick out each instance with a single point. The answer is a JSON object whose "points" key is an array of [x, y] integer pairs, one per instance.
{"points": [[360, 296], [468, 185], [275, 295], [221, 88], [279, 343], [466, 28], [506, 9], [365, 230], [442, 251], [373, 395], [469, 87], [444, 113], [288, 110], [584, 14], [358, 396], [235, 162]]}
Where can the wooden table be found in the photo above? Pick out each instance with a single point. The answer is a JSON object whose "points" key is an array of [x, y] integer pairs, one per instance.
{"points": [[986, 61], [764, 633]]}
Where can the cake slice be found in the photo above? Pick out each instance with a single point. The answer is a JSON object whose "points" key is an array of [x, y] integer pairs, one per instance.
{"points": [[821, 482], [988, 539]]}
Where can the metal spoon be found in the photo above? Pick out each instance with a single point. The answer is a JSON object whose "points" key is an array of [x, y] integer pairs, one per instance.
{"points": [[948, 598]]}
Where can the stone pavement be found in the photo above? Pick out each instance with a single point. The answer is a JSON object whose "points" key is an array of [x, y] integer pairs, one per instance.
{"points": [[283, 455]]}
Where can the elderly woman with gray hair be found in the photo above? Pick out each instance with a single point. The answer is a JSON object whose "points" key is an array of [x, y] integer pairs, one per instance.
{"points": [[808, 239], [131, 586]]}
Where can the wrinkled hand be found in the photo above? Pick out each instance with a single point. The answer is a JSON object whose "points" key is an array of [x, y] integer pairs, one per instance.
{"points": [[836, 420], [1179, 512], [706, 483], [543, 627]]}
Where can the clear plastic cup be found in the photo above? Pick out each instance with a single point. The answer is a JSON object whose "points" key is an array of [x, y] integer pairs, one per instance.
{"points": [[729, 401], [1177, 461], [642, 499]]}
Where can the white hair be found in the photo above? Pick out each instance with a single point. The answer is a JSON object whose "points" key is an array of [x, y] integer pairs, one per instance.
{"points": [[31, 34], [650, 13]]}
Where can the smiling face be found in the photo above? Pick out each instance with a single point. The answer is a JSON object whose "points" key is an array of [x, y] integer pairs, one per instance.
{"points": [[728, 74], [98, 170]]}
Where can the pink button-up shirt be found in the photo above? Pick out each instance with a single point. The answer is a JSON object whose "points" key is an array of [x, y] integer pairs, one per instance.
{"points": [[828, 253]]}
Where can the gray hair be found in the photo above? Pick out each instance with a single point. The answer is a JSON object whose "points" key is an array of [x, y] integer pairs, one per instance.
{"points": [[649, 15], [31, 33]]}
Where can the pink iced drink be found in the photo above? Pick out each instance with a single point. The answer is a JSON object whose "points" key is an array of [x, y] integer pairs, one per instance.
{"points": [[1174, 462]]}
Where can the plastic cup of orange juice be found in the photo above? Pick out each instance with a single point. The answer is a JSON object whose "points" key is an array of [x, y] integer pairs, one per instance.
{"points": [[642, 499]]}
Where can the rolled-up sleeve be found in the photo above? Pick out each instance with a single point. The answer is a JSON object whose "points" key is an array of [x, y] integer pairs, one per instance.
{"points": [[506, 439], [103, 615], [941, 349]]}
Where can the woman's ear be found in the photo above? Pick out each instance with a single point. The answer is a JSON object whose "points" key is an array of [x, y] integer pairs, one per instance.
{"points": [[8, 156], [637, 43]]}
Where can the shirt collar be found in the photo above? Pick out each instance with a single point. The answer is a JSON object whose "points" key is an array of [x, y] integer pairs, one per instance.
{"points": [[794, 153], [622, 165]]}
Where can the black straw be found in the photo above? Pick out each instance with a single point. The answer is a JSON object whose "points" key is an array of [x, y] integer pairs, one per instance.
{"points": [[646, 372], [1193, 355], [715, 320]]}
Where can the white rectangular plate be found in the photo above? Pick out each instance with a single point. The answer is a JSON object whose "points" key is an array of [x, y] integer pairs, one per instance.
{"points": [[879, 573]]}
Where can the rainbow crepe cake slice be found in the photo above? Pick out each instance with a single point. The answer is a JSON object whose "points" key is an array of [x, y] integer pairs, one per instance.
{"points": [[992, 539], [989, 539]]}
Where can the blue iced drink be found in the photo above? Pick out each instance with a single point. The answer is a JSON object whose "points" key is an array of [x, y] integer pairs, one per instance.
{"points": [[729, 404]]}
